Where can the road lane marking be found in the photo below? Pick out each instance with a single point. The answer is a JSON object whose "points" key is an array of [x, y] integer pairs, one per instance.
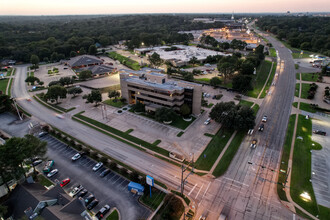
{"points": [[192, 189], [199, 191], [205, 192]]}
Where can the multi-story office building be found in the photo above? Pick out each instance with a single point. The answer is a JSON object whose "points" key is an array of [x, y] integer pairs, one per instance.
{"points": [[155, 91]]}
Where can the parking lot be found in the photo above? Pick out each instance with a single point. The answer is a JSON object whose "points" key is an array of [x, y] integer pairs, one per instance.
{"points": [[111, 190]]}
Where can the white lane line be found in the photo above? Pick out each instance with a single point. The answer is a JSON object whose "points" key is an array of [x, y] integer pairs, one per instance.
{"points": [[192, 189], [205, 192], [199, 191], [293, 216]]}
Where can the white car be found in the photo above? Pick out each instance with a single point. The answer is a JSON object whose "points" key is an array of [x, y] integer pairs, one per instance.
{"points": [[76, 190], [264, 119], [97, 166], [52, 173], [253, 144], [59, 116], [76, 157], [208, 121]]}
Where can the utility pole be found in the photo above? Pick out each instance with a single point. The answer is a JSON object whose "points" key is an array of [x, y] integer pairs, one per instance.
{"points": [[20, 117], [183, 169]]}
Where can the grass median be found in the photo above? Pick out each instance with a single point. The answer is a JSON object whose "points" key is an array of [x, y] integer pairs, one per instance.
{"points": [[285, 158], [269, 82], [246, 103], [260, 79], [272, 52], [3, 85], [213, 149], [121, 134], [304, 90], [296, 92], [155, 200], [228, 156], [113, 215], [312, 77], [301, 166]]}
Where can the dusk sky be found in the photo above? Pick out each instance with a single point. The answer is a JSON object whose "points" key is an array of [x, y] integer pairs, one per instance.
{"points": [[60, 7]]}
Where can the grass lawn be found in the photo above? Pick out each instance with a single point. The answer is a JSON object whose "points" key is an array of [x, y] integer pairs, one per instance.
{"points": [[285, 158], [182, 124], [204, 80], [312, 77], [298, 76], [304, 90], [124, 135], [296, 66], [180, 134], [307, 107], [213, 149], [295, 104], [44, 181], [255, 108], [247, 103], [296, 92], [260, 79], [3, 85], [114, 215], [301, 166], [272, 52], [300, 56], [155, 200], [269, 82], [112, 102], [229, 154], [125, 60]]}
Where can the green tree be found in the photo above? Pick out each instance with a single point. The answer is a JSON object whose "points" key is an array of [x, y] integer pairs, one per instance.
{"points": [[5, 103], [185, 110], [94, 97], [138, 107], [92, 50], [32, 80], [113, 94], [215, 81], [55, 92], [73, 53], [226, 68], [65, 81], [155, 60], [74, 91], [242, 83], [247, 68], [164, 114], [35, 61], [193, 60], [34, 147], [188, 76], [85, 74]]}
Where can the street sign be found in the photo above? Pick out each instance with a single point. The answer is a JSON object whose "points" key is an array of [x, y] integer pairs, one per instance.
{"points": [[150, 180]]}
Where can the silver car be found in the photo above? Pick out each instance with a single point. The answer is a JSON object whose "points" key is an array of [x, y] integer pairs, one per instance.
{"points": [[52, 173]]}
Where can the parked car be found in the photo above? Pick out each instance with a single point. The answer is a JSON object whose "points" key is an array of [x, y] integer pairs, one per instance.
{"points": [[76, 190], [97, 166], [261, 127], [89, 198], [65, 182], [254, 143], [43, 133], [93, 204], [208, 121], [264, 119], [320, 132], [36, 162], [76, 157], [48, 166], [103, 211], [52, 173], [104, 173], [83, 193]]}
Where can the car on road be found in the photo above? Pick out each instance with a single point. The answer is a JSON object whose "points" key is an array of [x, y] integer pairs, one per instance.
{"points": [[261, 127], [103, 211], [320, 132], [264, 119], [52, 173], [93, 204], [28, 99], [83, 193], [76, 157], [36, 162], [76, 190], [65, 182], [104, 173], [97, 166], [202, 218], [254, 143], [59, 116], [89, 198], [208, 121]]}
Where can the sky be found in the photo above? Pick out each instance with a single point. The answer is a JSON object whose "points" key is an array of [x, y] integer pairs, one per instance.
{"points": [[74, 7]]}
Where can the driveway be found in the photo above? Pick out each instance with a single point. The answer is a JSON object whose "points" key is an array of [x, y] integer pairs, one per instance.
{"points": [[111, 190]]}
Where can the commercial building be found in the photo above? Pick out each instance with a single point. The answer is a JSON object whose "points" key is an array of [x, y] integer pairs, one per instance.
{"points": [[83, 61], [155, 90]]}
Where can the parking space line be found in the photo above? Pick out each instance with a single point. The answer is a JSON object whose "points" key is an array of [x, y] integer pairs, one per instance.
{"points": [[116, 180]]}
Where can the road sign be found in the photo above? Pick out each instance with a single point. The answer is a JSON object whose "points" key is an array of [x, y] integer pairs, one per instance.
{"points": [[150, 180]]}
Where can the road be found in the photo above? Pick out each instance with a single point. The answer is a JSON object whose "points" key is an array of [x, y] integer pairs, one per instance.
{"points": [[146, 163], [248, 188]]}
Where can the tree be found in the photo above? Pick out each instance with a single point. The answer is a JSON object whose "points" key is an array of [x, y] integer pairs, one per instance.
{"points": [[94, 97], [35, 61], [74, 91], [85, 74], [55, 92], [53, 83], [188, 76], [92, 50], [164, 114], [34, 147], [138, 107], [247, 68], [82, 51], [73, 53], [226, 68], [32, 79], [155, 60], [242, 83], [185, 110], [174, 208], [5, 103], [65, 81], [215, 81], [113, 94], [193, 60], [54, 57]]}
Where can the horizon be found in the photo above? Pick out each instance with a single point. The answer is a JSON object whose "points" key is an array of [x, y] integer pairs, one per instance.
{"points": [[104, 7]]}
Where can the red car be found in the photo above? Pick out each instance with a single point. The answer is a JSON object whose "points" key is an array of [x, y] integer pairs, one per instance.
{"points": [[65, 182]]}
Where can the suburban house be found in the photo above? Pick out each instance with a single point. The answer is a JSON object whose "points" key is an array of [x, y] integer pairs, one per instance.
{"points": [[155, 91], [83, 61], [32, 199]]}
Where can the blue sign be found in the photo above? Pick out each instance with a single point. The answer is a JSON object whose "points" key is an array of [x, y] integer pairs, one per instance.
{"points": [[150, 180]]}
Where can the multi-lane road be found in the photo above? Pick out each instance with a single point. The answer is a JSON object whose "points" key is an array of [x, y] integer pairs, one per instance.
{"points": [[246, 191]]}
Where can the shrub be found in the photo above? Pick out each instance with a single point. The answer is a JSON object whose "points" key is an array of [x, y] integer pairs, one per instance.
{"points": [[134, 176], [104, 160], [123, 171], [86, 151], [113, 165], [79, 147], [72, 143], [94, 155]]}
